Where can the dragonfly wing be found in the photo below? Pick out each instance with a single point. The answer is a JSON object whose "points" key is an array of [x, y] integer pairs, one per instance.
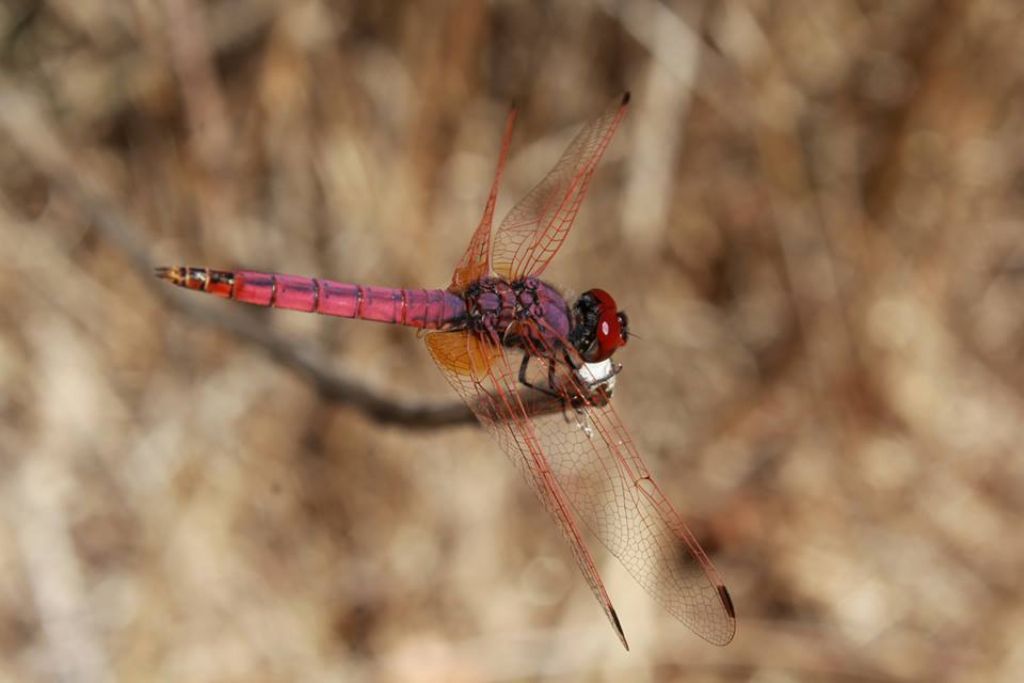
{"points": [[536, 227], [613, 494], [480, 372], [475, 263]]}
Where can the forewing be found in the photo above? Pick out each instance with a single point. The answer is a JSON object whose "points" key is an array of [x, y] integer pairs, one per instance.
{"points": [[475, 263], [612, 492], [536, 227], [480, 372]]}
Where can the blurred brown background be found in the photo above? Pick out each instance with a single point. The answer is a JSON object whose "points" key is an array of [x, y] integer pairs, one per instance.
{"points": [[812, 215]]}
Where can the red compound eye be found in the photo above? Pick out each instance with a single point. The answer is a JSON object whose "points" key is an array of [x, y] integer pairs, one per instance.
{"points": [[610, 333]]}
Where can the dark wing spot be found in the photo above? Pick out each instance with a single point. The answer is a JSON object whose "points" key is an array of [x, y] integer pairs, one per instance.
{"points": [[618, 627], [727, 601]]}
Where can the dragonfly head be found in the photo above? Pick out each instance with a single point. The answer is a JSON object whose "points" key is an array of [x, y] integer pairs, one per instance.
{"points": [[598, 327]]}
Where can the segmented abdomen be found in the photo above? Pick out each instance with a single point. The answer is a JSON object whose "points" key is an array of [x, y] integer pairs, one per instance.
{"points": [[423, 308]]}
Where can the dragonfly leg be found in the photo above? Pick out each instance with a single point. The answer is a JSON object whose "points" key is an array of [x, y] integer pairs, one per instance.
{"points": [[575, 405], [549, 390]]}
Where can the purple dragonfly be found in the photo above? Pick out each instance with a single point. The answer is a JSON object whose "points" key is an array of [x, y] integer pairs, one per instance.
{"points": [[537, 372]]}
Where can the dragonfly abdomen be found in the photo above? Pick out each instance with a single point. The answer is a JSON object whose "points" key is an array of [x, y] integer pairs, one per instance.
{"points": [[422, 308]]}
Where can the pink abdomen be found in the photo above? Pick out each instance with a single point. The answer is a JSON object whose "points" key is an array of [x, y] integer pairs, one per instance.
{"points": [[424, 308]]}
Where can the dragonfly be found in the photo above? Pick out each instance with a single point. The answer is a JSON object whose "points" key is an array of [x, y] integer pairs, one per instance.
{"points": [[537, 372]]}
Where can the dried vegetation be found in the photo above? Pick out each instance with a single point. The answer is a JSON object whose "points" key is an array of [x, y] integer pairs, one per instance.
{"points": [[813, 216]]}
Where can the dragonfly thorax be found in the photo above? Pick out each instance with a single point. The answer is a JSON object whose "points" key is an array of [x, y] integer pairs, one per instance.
{"points": [[527, 313], [598, 328]]}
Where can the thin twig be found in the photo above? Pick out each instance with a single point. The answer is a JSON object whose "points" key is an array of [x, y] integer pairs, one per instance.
{"points": [[331, 383], [28, 128]]}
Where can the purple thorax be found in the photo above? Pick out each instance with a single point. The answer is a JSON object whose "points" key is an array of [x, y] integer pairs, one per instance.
{"points": [[527, 313]]}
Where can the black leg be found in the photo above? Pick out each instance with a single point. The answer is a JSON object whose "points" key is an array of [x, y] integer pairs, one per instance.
{"points": [[525, 382]]}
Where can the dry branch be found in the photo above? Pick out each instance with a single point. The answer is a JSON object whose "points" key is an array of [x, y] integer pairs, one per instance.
{"points": [[23, 119]]}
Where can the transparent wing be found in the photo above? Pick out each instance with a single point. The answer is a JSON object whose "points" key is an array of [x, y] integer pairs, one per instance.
{"points": [[582, 455], [475, 262], [535, 228], [480, 372], [614, 495]]}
